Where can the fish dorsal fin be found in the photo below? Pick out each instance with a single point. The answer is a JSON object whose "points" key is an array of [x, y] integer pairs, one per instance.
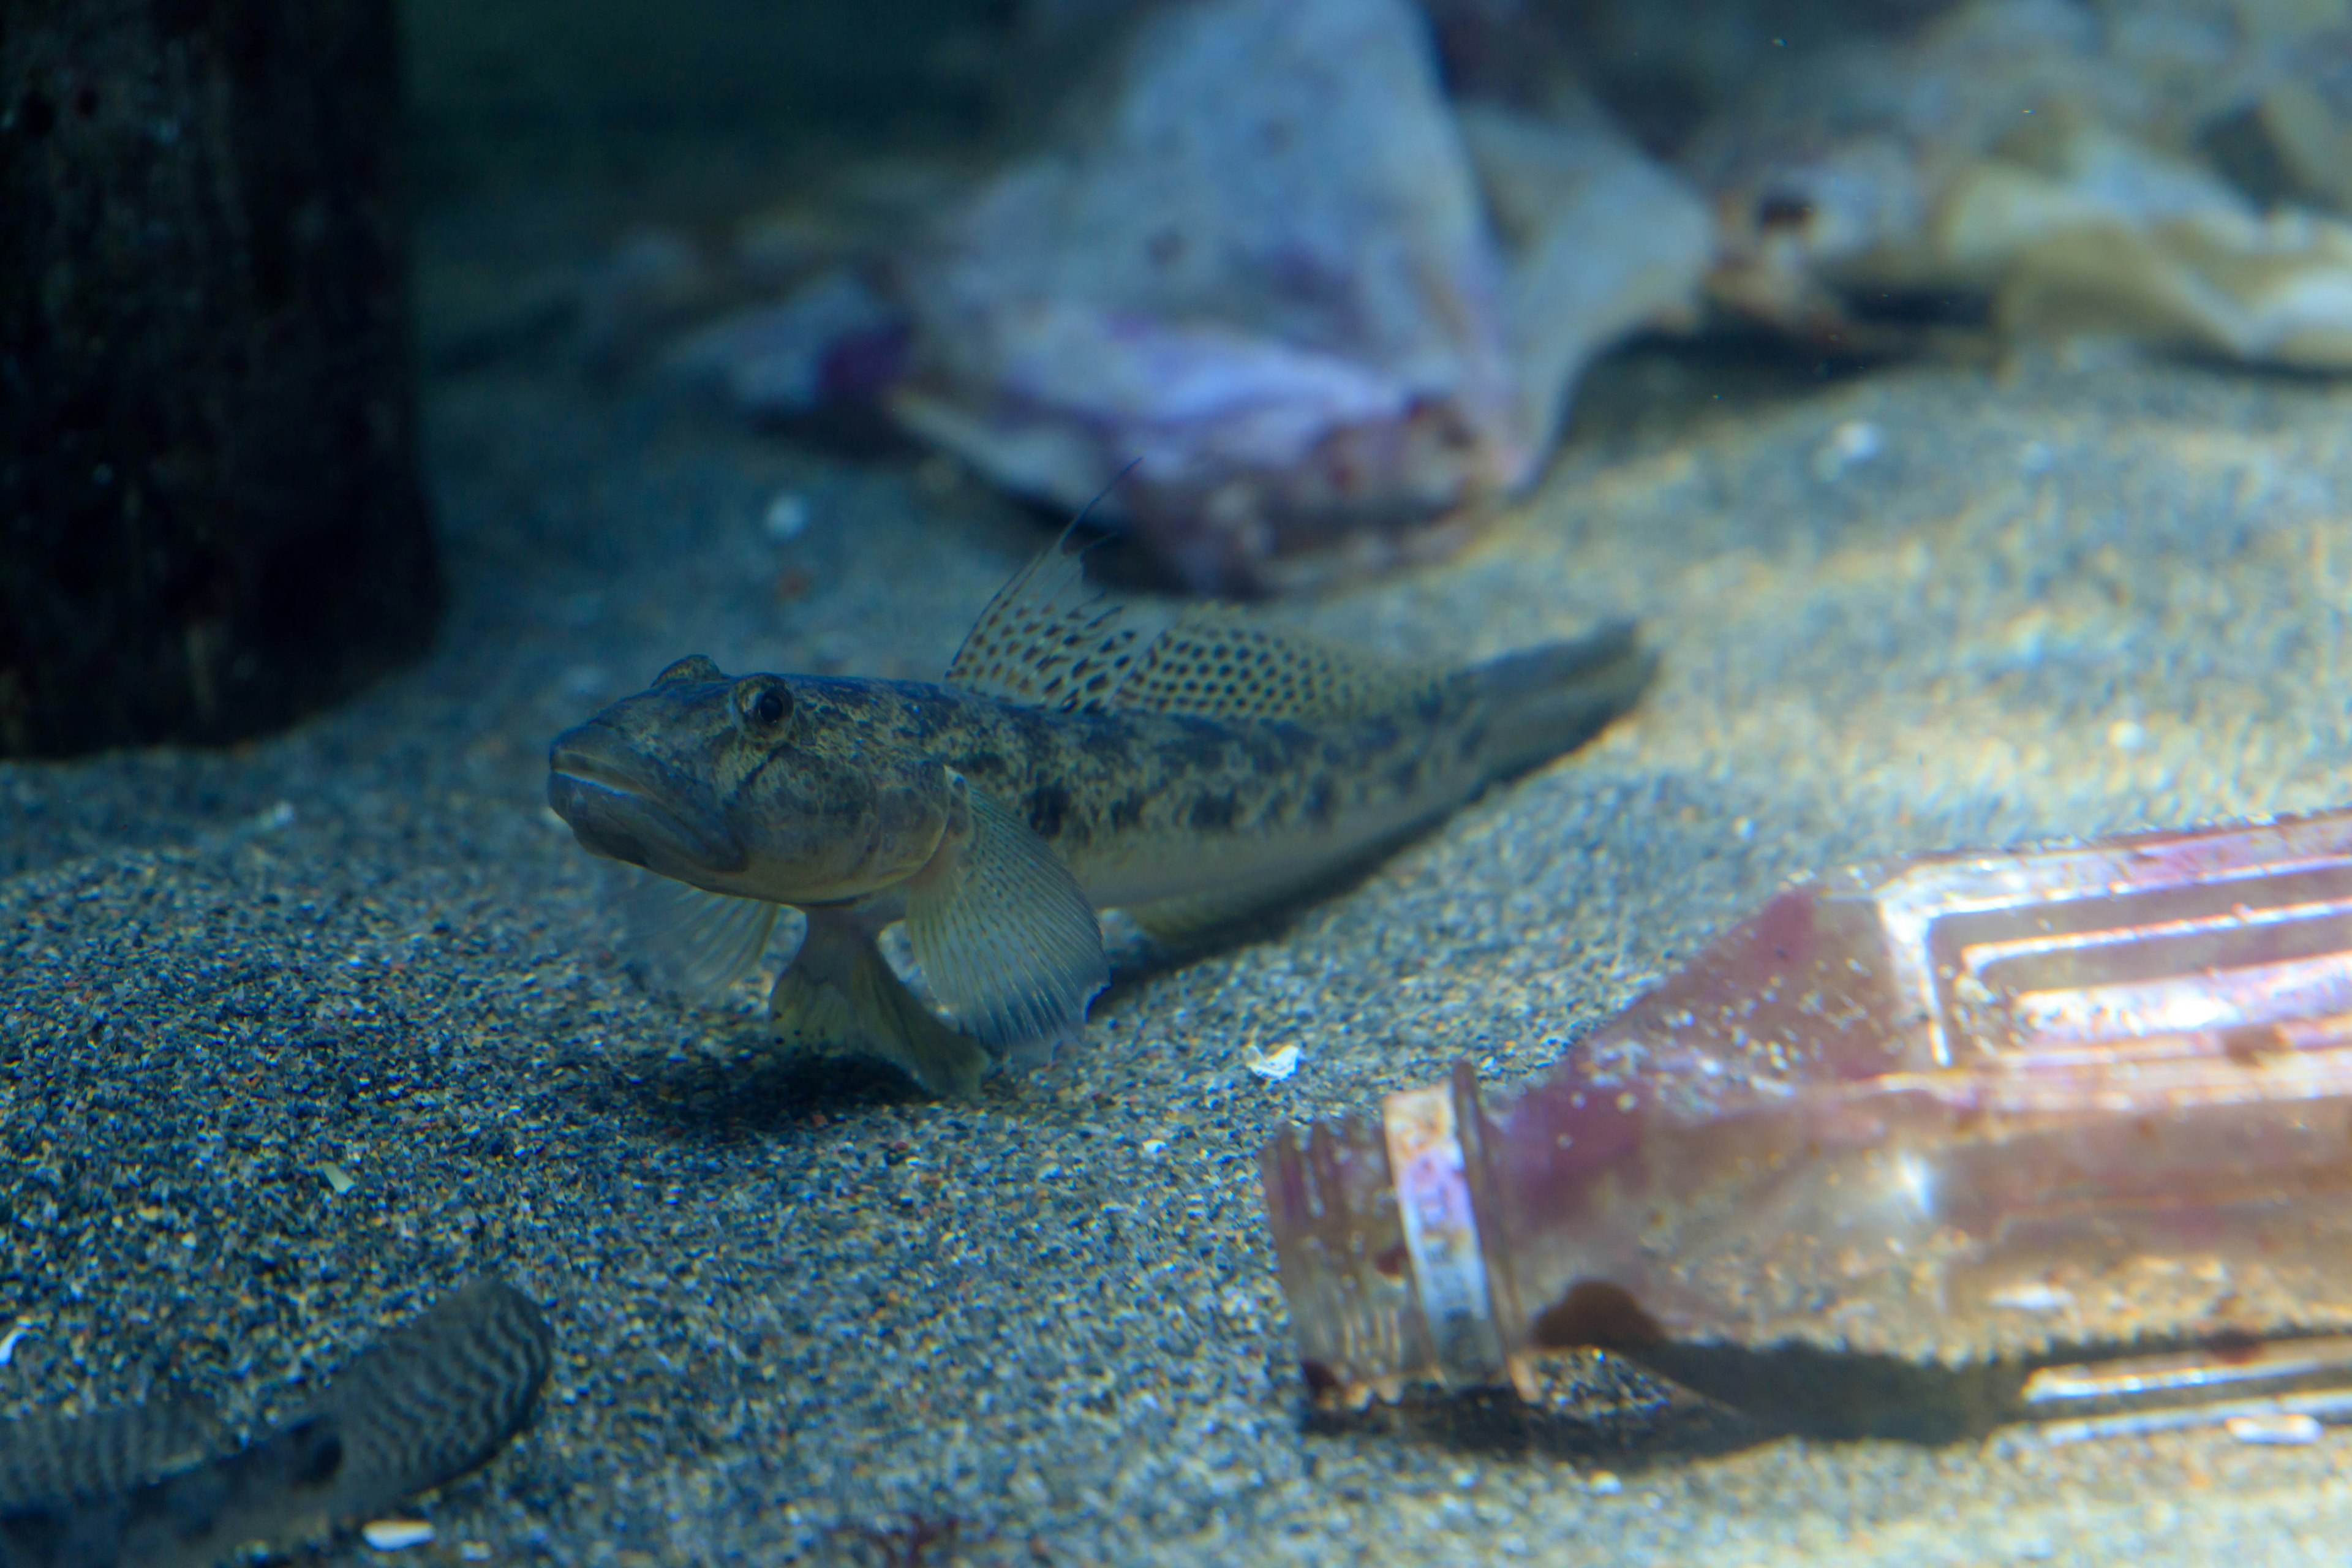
{"points": [[1213, 662], [1052, 639]]}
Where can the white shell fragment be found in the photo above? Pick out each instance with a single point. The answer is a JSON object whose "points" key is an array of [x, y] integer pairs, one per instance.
{"points": [[1273, 1065], [1853, 443], [2033, 1296], [338, 1180], [2284, 1428], [395, 1534]]}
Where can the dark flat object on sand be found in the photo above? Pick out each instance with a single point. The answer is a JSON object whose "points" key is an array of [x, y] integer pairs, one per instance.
{"points": [[423, 1406]]}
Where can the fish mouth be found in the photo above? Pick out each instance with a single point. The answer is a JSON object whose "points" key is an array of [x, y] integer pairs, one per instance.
{"points": [[621, 803]]}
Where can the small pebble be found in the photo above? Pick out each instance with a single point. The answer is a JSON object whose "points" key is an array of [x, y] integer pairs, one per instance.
{"points": [[1272, 1066], [1854, 442], [786, 516], [339, 1180], [395, 1534], [2278, 1428], [1604, 1483], [2033, 1296]]}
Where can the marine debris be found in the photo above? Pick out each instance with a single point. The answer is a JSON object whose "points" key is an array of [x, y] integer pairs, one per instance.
{"points": [[2068, 164], [1333, 292], [1897, 1155], [1264, 268], [1266, 264], [1188, 766], [126, 1488]]}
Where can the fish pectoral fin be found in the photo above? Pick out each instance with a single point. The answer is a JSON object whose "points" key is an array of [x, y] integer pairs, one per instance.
{"points": [[1007, 940], [839, 995], [693, 942]]}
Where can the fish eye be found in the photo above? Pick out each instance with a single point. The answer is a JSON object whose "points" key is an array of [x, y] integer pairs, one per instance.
{"points": [[762, 702]]}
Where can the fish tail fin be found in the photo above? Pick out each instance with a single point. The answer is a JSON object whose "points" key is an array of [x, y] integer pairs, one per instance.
{"points": [[1546, 702], [839, 995]]}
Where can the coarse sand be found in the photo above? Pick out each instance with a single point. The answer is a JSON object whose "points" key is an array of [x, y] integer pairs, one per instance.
{"points": [[299, 1033]]}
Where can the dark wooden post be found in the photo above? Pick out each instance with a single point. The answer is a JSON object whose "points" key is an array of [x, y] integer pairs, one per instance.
{"points": [[210, 517]]}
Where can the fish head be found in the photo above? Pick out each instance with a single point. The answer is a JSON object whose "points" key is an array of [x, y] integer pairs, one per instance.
{"points": [[758, 785]]}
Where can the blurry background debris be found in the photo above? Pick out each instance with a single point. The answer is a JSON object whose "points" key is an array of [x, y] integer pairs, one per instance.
{"points": [[2085, 169], [1330, 270]]}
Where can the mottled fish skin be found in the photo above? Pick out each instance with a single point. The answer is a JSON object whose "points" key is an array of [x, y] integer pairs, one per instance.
{"points": [[1187, 766], [1140, 807], [432, 1400]]}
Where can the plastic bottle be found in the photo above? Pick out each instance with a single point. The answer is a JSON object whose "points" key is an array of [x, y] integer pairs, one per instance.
{"points": [[1892, 1153]]}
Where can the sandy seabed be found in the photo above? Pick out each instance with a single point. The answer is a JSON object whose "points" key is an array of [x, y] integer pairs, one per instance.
{"points": [[298, 1035]]}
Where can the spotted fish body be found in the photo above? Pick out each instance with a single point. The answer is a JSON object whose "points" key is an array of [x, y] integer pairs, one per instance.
{"points": [[1188, 767], [1145, 808]]}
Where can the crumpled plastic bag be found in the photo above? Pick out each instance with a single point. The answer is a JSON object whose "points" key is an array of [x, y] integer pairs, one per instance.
{"points": [[1266, 264]]}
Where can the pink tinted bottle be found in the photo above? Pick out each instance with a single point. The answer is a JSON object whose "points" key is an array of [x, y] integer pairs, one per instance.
{"points": [[1915, 1150]]}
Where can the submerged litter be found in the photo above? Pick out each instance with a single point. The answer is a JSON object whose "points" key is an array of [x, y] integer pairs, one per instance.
{"points": [[1919, 1149], [1270, 268]]}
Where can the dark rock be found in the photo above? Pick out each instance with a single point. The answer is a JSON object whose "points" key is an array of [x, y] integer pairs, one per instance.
{"points": [[210, 518]]}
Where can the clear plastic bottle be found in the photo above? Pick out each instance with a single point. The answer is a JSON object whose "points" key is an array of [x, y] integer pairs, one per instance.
{"points": [[1892, 1153]]}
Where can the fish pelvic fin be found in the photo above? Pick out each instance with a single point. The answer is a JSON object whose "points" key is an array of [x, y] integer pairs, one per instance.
{"points": [[691, 942], [1546, 702], [839, 995], [1007, 940]]}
